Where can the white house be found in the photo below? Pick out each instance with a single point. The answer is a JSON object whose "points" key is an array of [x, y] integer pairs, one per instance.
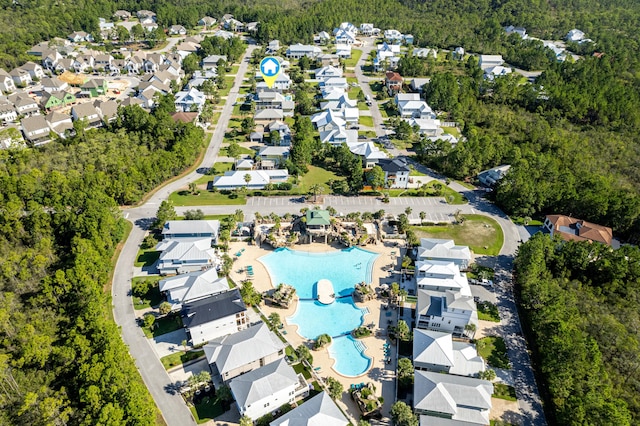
{"points": [[252, 179], [6, 82], [367, 29], [339, 136], [392, 35], [35, 129], [319, 410], [177, 30], [59, 123], [575, 35], [489, 61], [491, 176], [426, 126], [297, 51], [179, 256], [24, 104], [190, 100], [343, 50], [369, 153], [441, 275], [35, 71], [345, 37], [327, 72], [267, 388], [190, 229], [448, 311], [53, 84], [21, 77], [207, 21], [87, 112], [492, 73], [396, 172], [446, 250], [510, 29], [8, 113], [244, 351], [211, 62], [425, 52], [437, 351], [328, 120], [214, 316], [411, 106], [464, 399]]}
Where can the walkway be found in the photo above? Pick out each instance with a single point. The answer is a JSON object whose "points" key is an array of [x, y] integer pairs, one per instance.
{"points": [[172, 406]]}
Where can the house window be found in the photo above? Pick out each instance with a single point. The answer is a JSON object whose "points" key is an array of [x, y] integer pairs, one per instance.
{"points": [[266, 405]]}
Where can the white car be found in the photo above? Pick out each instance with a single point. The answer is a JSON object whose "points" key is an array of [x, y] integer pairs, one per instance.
{"points": [[488, 283]]}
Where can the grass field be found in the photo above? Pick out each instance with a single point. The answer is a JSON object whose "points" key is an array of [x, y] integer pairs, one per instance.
{"points": [[207, 410], [229, 83], [146, 257], [353, 60], [362, 106], [502, 391], [316, 175], [366, 120], [487, 311], [163, 325], [452, 131], [482, 234], [152, 298], [179, 358], [243, 151], [494, 351], [207, 198]]}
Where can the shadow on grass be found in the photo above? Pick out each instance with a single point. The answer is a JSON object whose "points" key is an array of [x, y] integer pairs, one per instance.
{"points": [[147, 258]]}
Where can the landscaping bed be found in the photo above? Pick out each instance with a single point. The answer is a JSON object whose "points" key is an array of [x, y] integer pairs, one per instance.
{"points": [[494, 351]]}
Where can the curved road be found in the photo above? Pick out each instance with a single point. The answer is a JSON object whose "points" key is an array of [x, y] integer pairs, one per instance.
{"points": [[153, 373]]}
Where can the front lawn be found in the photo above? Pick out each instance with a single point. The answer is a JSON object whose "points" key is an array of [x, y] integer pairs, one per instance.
{"points": [[316, 175], [180, 358], [353, 60], [502, 391], [487, 311], [151, 297], [229, 84], [362, 106], [146, 257], [207, 409], [366, 120], [207, 198], [482, 234], [242, 150], [163, 325], [494, 351], [451, 131]]}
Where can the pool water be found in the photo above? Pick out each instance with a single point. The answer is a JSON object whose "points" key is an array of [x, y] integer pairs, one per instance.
{"points": [[344, 269]]}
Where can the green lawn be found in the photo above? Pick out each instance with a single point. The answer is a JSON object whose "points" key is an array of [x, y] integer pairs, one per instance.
{"points": [[482, 234], [366, 120], [243, 151], [466, 184], [229, 83], [180, 358], [146, 257], [452, 131], [362, 106], [521, 221], [352, 80], [221, 167], [316, 175], [207, 410], [164, 325], [502, 391], [152, 298], [234, 70], [353, 60], [487, 311], [499, 423], [300, 368], [414, 172], [207, 198], [494, 351]]}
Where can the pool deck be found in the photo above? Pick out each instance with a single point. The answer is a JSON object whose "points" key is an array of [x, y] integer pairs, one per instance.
{"points": [[381, 374]]}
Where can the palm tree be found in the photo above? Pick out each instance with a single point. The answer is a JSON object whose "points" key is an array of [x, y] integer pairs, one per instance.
{"points": [[316, 189], [247, 178], [408, 211], [423, 215]]}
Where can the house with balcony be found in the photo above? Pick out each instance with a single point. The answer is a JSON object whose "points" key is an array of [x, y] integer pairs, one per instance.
{"points": [[8, 113], [21, 77], [36, 130], [448, 312], [35, 71], [273, 157], [441, 275], [297, 51], [181, 256], [7, 85], [444, 250], [393, 82], [190, 100], [368, 152], [59, 123], [437, 351], [284, 133], [319, 410], [214, 316], [191, 229], [573, 229], [88, 113], [396, 172], [411, 106], [24, 104], [267, 388], [239, 353]]}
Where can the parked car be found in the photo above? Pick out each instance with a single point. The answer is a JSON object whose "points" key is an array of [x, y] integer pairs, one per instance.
{"points": [[487, 283]]}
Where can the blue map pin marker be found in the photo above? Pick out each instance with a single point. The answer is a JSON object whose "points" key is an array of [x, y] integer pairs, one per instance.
{"points": [[270, 68]]}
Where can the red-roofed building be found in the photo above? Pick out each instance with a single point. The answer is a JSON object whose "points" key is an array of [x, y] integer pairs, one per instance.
{"points": [[570, 228], [393, 82]]}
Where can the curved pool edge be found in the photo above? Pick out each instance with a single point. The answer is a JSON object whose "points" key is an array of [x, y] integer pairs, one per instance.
{"points": [[363, 353]]}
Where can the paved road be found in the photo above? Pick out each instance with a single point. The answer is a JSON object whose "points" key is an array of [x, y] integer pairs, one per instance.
{"points": [[363, 82], [173, 408]]}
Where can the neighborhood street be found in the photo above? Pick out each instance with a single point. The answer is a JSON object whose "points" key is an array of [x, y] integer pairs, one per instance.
{"points": [[174, 410]]}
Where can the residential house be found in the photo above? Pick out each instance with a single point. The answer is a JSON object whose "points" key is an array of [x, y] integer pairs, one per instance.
{"points": [[573, 229], [492, 176], [458, 53], [252, 27], [425, 126], [108, 110], [35, 129], [272, 157], [424, 52], [393, 82], [223, 34], [344, 36], [407, 38], [444, 250], [21, 77], [122, 15], [251, 179], [83, 63], [392, 36], [282, 82], [273, 47], [214, 316], [53, 100], [328, 120], [417, 84], [338, 136], [207, 21], [463, 399], [575, 35], [35, 71], [440, 275], [297, 51], [490, 61], [180, 256], [152, 62], [87, 112], [24, 104], [53, 84], [244, 351], [510, 29], [184, 117], [7, 85], [59, 123], [498, 71], [334, 83], [211, 62], [51, 59], [266, 116], [368, 152], [191, 100], [133, 64], [327, 72], [8, 113], [284, 132], [177, 30], [396, 172], [367, 29], [145, 14], [103, 61], [199, 77], [267, 388], [411, 106], [323, 37], [244, 164], [191, 229], [437, 351], [318, 222], [319, 410], [130, 101], [94, 87], [232, 24], [328, 59], [64, 64], [448, 312], [80, 36]]}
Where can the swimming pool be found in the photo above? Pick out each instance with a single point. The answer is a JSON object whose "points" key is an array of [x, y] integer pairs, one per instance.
{"points": [[344, 268]]}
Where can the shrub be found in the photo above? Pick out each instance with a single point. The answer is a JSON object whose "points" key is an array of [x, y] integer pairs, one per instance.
{"points": [[285, 186]]}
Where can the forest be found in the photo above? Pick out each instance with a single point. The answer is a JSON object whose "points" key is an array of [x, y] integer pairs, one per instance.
{"points": [[62, 360], [580, 308]]}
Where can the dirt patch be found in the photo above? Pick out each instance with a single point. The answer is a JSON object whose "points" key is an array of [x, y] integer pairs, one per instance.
{"points": [[507, 411]]}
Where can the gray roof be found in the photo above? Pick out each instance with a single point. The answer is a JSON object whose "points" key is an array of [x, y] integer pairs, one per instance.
{"points": [[442, 249], [242, 348], [319, 410], [107, 109], [84, 110], [33, 123], [193, 286], [263, 382], [464, 398], [435, 302], [394, 165], [212, 308], [432, 347], [439, 421], [192, 227]]}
